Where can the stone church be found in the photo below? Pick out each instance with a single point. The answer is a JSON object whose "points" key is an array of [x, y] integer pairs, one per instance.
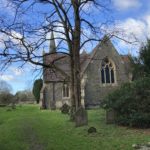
{"points": [[102, 71]]}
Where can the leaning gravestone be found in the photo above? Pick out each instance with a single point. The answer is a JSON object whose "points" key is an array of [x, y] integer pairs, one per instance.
{"points": [[81, 117]]}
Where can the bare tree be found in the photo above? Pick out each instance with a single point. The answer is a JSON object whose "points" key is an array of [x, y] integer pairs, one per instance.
{"points": [[5, 87], [72, 23], [5, 96]]}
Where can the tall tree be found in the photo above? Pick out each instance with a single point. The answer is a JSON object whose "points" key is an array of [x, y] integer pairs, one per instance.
{"points": [[37, 88], [5, 96], [5, 87], [141, 64], [145, 56], [74, 23]]}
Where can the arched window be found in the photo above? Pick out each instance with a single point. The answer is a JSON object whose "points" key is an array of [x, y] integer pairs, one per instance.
{"points": [[66, 91], [107, 72]]}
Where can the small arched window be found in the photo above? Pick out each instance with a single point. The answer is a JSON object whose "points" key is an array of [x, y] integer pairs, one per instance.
{"points": [[66, 91], [107, 72]]}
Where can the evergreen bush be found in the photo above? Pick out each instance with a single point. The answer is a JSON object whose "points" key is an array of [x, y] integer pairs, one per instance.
{"points": [[37, 88], [131, 103]]}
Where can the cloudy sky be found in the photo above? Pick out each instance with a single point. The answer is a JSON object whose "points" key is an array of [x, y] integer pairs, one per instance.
{"points": [[133, 16]]}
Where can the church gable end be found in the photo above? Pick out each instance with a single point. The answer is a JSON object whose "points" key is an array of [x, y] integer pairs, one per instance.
{"points": [[105, 72]]}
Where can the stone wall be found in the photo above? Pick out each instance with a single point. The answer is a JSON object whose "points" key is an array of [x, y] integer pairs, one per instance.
{"points": [[54, 96], [95, 91]]}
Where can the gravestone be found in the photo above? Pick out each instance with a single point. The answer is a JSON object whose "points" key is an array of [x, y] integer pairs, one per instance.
{"points": [[81, 118], [110, 116]]}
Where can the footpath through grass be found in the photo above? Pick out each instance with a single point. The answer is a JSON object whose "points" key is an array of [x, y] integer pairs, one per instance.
{"points": [[28, 128]]}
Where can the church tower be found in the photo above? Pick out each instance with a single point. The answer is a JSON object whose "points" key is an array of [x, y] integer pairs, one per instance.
{"points": [[52, 48]]}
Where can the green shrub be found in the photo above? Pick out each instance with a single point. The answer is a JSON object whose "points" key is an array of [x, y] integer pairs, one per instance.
{"points": [[37, 88], [141, 65], [131, 103]]}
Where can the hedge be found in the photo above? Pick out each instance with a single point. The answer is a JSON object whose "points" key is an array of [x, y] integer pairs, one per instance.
{"points": [[131, 102]]}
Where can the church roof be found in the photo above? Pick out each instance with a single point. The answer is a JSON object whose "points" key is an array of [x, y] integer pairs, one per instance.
{"points": [[127, 63], [63, 62]]}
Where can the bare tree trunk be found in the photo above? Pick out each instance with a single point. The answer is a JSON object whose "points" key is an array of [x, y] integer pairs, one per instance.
{"points": [[73, 104], [75, 64], [76, 54], [78, 113], [77, 79]]}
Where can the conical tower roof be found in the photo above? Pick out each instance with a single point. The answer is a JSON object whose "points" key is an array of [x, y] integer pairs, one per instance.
{"points": [[52, 48]]}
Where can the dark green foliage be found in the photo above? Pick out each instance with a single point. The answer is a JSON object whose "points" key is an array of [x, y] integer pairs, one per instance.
{"points": [[65, 109], [145, 56], [141, 65], [137, 68], [37, 88], [92, 130], [131, 103], [132, 100]]}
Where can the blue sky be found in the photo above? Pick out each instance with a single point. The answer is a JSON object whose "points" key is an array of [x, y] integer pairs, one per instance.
{"points": [[132, 16]]}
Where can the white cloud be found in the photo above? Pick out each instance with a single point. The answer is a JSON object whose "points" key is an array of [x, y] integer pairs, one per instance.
{"points": [[132, 27], [126, 4], [16, 71], [16, 34], [132, 30], [14, 38], [88, 7], [147, 20], [6, 77], [7, 6]]}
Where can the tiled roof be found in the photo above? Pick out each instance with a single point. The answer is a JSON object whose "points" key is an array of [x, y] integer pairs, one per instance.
{"points": [[62, 61], [125, 58]]}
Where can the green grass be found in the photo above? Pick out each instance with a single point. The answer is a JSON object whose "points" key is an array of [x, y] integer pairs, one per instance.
{"points": [[28, 128]]}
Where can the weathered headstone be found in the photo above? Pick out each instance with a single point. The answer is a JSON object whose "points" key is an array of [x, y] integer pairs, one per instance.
{"points": [[81, 118], [110, 116]]}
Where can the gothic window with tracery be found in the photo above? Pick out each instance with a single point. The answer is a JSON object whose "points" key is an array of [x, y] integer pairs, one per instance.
{"points": [[107, 72]]}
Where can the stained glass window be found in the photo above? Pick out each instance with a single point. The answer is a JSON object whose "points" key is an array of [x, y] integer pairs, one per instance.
{"points": [[107, 72]]}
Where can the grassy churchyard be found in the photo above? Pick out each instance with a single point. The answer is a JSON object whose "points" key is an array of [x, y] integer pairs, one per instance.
{"points": [[29, 128]]}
